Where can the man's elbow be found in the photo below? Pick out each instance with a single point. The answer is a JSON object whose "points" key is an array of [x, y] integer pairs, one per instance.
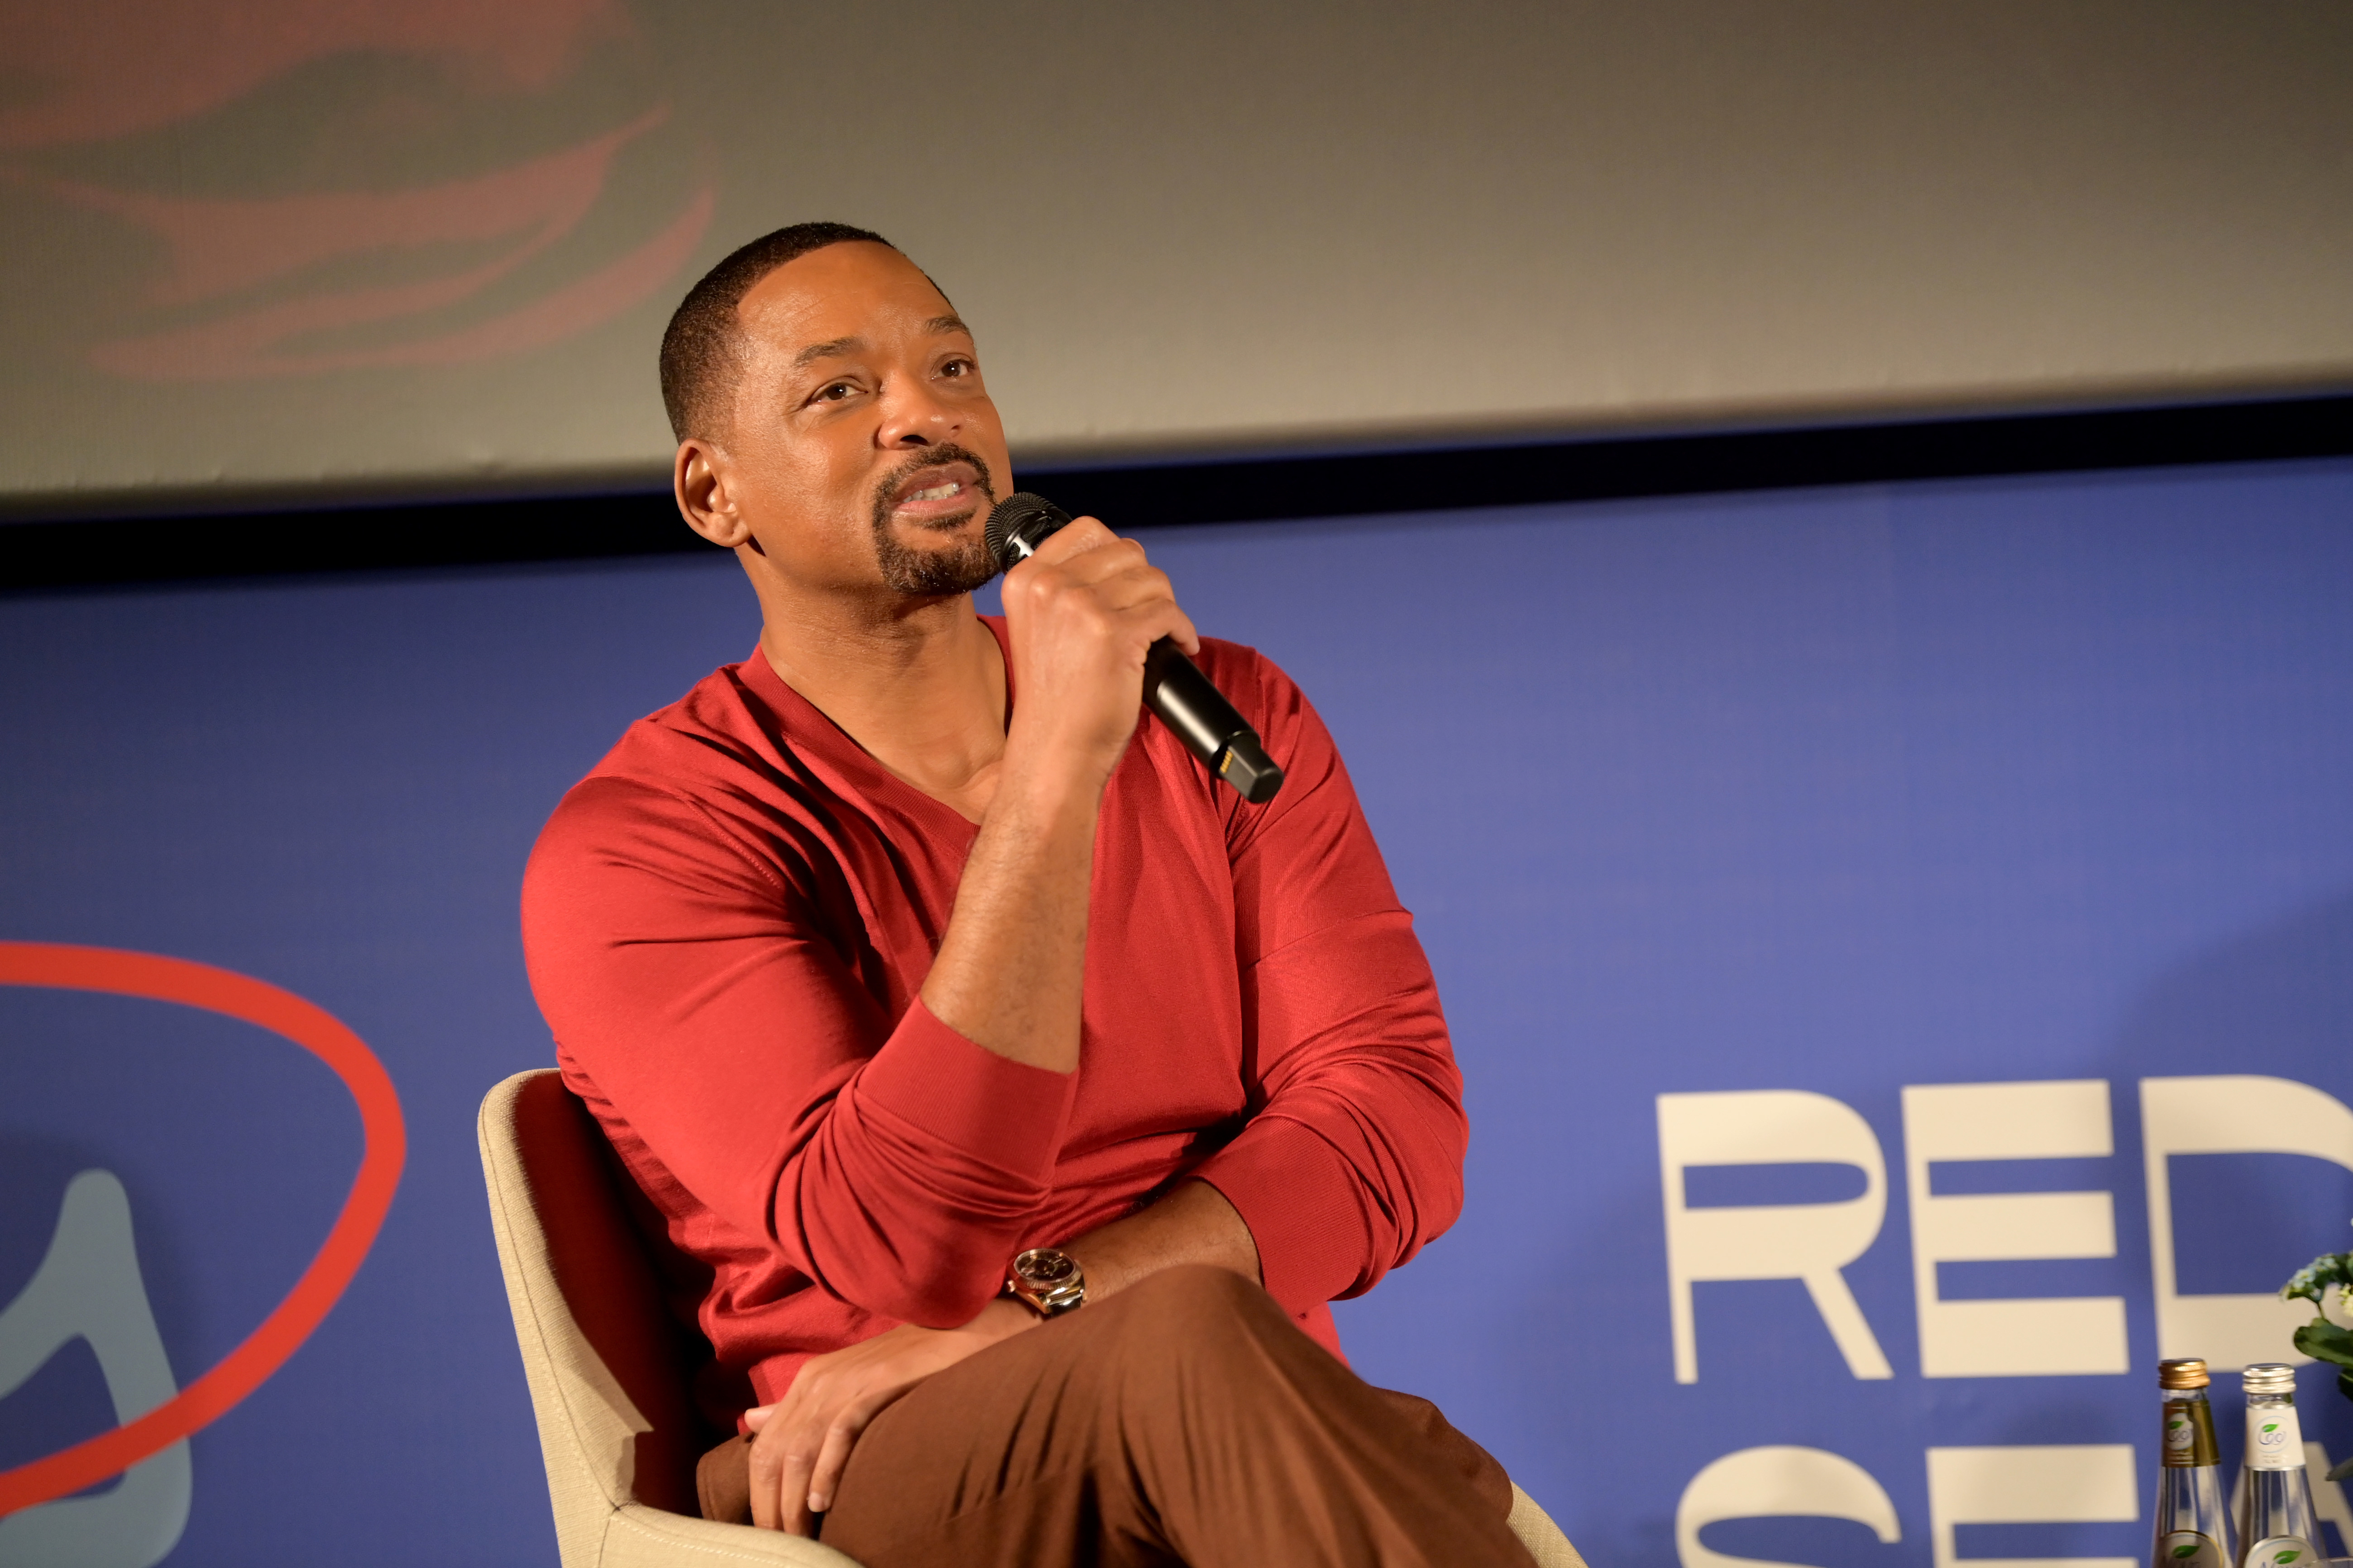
{"points": [[1440, 1211], [930, 1287], [903, 1250], [1433, 1202]]}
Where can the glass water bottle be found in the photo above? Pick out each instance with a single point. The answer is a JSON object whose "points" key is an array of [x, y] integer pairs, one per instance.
{"points": [[2277, 1523], [2193, 1526]]}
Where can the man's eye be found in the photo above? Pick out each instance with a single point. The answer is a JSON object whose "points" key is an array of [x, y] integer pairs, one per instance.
{"points": [[956, 367], [836, 392]]}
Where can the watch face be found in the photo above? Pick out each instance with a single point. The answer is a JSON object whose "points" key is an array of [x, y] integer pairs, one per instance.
{"points": [[1044, 1266]]}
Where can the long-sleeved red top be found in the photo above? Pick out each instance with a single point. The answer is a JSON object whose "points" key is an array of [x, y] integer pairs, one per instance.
{"points": [[727, 924]]}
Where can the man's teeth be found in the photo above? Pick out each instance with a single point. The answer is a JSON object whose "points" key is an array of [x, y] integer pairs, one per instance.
{"points": [[937, 492]]}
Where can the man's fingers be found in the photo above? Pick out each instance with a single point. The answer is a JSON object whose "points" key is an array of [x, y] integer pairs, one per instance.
{"points": [[799, 1520], [790, 1434], [804, 1439], [793, 1483], [1075, 539], [1118, 585], [825, 1478], [1103, 565], [1147, 605], [766, 1472]]}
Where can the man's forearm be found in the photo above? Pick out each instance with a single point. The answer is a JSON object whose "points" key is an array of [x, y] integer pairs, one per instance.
{"points": [[1082, 614], [1010, 977], [1192, 1224], [1012, 966]]}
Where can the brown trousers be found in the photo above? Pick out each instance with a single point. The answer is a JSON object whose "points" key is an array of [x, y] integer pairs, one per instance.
{"points": [[1184, 1421]]}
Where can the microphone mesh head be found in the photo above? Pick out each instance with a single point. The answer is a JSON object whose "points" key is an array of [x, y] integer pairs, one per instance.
{"points": [[1018, 524]]}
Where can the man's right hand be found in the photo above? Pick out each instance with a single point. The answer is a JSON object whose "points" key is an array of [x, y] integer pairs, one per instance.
{"points": [[802, 1443], [1082, 613]]}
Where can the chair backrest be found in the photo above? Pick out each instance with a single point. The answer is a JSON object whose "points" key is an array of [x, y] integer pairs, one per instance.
{"points": [[608, 1378]]}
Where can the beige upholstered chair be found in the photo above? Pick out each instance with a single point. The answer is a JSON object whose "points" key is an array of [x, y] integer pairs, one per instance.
{"points": [[609, 1369]]}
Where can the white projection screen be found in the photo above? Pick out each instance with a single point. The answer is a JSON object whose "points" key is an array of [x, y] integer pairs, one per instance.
{"points": [[322, 247]]}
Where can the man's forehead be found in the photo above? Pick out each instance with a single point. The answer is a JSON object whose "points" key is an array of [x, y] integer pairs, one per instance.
{"points": [[855, 289]]}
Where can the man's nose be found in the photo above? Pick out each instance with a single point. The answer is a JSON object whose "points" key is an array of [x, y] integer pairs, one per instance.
{"points": [[914, 416]]}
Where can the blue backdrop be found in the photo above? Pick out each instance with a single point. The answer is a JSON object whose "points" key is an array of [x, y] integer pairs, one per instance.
{"points": [[1773, 806]]}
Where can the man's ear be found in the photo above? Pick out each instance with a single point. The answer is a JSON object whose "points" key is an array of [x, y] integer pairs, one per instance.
{"points": [[700, 477]]}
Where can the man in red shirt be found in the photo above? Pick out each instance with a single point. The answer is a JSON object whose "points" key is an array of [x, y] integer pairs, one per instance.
{"points": [[899, 950]]}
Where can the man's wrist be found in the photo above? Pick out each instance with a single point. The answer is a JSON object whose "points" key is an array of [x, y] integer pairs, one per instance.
{"points": [[1002, 1318], [1044, 783]]}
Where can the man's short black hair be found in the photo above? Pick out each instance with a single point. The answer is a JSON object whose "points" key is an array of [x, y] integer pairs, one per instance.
{"points": [[700, 347]]}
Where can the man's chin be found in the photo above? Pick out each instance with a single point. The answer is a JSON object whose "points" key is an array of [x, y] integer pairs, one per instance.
{"points": [[936, 570]]}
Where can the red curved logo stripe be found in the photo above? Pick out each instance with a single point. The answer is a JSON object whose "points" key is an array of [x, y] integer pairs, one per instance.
{"points": [[244, 1369]]}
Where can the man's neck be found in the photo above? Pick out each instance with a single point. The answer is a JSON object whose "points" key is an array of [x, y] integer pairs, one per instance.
{"points": [[919, 685]]}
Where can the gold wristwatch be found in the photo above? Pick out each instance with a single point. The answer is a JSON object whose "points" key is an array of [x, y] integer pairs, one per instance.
{"points": [[1048, 1281]]}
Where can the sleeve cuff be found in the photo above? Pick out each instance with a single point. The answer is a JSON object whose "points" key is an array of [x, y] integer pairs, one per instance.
{"points": [[1298, 1198], [1006, 1113]]}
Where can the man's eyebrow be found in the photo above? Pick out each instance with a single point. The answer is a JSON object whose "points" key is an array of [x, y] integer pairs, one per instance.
{"points": [[832, 348], [951, 323]]}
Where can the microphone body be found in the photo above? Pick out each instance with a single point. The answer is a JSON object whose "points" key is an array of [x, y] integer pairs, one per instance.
{"points": [[1178, 694]]}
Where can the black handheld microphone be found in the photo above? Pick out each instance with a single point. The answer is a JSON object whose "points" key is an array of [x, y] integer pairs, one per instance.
{"points": [[1175, 690]]}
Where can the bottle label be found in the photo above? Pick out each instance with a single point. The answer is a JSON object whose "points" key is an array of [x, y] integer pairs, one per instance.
{"points": [[2189, 1434], [2188, 1549], [2280, 1550], [2274, 1441]]}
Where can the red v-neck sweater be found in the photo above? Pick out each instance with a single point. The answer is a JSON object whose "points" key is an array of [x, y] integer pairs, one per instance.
{"points": [[727, 923]]}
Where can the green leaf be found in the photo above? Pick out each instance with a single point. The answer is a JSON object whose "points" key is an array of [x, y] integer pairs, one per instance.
{"points": [[2271, 1427], [2188, 1551], [2286, 1558], [2323, 1340]]}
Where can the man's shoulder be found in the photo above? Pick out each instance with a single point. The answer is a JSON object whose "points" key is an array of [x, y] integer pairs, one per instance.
{"points": [[711, 734], [1264, 692], [1237, 668], [674, 767]]}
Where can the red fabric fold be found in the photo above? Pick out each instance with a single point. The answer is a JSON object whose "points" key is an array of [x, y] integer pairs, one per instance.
{"points": [[953, 1092]]}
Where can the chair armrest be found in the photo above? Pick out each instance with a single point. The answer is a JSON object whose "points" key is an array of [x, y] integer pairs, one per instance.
{"points": [[642, 1536], [1539, 1534]]}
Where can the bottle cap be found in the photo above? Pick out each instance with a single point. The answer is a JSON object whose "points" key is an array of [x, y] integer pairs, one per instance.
{"points": [[2187, 1373], [2269, 1377]]}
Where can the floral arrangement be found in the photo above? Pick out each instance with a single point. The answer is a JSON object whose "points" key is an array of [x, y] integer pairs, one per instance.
{"points": [[2321, 1339]]}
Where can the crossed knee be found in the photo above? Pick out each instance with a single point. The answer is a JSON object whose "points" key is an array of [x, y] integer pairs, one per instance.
{"points": [[1197, 1307]]}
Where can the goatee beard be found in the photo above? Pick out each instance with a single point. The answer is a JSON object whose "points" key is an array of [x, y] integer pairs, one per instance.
{"points": [[934, 573]]}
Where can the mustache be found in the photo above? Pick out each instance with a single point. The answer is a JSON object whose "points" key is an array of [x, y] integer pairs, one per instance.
{"points": [[930, 457]]}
